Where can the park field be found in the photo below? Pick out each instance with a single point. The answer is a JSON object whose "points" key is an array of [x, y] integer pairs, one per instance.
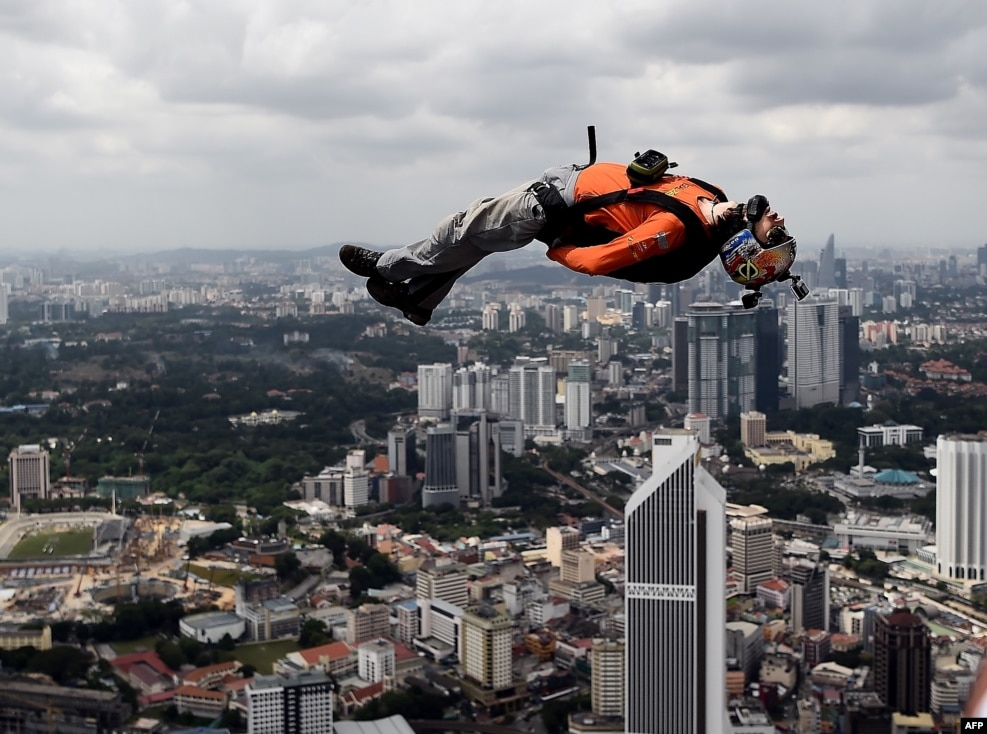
{"points": [[263, 655], [50, 544]]}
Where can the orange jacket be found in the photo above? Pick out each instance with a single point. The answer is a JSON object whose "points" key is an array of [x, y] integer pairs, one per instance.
{"points": [[642, 230]]}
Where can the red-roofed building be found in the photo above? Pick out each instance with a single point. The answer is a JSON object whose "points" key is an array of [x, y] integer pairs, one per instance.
{"points": [[942, 369], [145, 672], [336, 658], [357, 697], [210, 676], [773, 593]]}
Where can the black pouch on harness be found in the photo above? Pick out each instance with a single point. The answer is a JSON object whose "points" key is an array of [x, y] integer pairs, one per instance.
{"points": [[555, 211]]}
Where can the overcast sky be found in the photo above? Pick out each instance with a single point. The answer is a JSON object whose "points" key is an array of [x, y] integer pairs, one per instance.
{"points": [[156, 124]]}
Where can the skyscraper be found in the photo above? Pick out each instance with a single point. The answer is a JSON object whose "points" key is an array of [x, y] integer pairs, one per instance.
{"points": [[827, 264], [722, 359], [961, 507], [768, 358], [578, 401], [814, 357], [849, 356], [402, 455], [809, 594], [478, 472], [4, 312], [30, 474], [675, 606], [440, 467], [532, 395], [680, 354], [902, 661], [471, 388], [752, 543], [434, 390], [446, 584]]}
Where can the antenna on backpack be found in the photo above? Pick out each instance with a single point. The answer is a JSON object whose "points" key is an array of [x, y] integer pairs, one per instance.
{"points": [[591, 134]]}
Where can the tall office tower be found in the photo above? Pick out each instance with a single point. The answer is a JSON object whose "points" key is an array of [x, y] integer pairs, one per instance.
{"points": [[961, 507], [557, 541], [570, 318], [680, 354], [4, 309], [675, 536], [471, 388], [752, 545], [607, 677], [478, 470], [814, 359], [434, 390], [511, 436], [663, 315], [827, 264], [902, 661], [722, 359], [367, 622], [533, 395], [30, 474], [446, 583], [606, 348], [753, 428], [402, 453], [809, 595], [287, 705], [553, 317], [700, 423], [839, 272], [578, 401], [768, 358], [596, 306], [486, 647], [849, 356], [440, 467], [356, 487], [640, 315]]}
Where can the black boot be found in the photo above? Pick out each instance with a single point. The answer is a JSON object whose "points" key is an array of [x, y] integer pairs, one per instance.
{"points": [[396, 295], [359, 260]]}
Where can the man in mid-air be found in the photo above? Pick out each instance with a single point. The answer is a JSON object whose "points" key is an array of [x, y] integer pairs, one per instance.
{"points": [[635, 223]]}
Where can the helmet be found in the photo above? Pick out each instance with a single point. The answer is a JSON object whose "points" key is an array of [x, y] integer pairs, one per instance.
{"points": [[752, 264]]}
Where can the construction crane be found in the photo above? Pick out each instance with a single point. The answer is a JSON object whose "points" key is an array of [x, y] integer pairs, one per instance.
{"points": [[140, 454], [67, 450]]}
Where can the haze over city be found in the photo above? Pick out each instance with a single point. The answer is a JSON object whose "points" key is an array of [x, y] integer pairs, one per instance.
{"points": [[141, 127]]}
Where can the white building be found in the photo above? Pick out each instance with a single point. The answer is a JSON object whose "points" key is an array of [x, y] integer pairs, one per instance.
{"points": [[961, 507], [211, 627], [486, 647], [814, 355], [752, 543], [434, 390], [607, 677], [578, 400], [532, 395], [30, 474], [301, 704], [888, 534], [675, 540], [375, 660]]}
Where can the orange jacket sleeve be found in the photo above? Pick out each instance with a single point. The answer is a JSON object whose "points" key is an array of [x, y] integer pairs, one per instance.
{"points": [[659, 234]]}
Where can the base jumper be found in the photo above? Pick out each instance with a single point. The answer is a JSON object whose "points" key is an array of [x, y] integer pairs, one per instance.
{"points": [[632, 222]]}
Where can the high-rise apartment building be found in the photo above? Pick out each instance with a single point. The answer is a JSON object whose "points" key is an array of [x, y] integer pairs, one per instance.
{"points": [[809, 595], [902, 661], [440, 485], [434, 390], [30, 474], [471, 388], [752, 543], [4, 312], [607, 677], [578, 401], [814, 357], [675, 536], [961, 507], [300, 704], [578, 566], [486, 647], [722, 359], [532, 395]]}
